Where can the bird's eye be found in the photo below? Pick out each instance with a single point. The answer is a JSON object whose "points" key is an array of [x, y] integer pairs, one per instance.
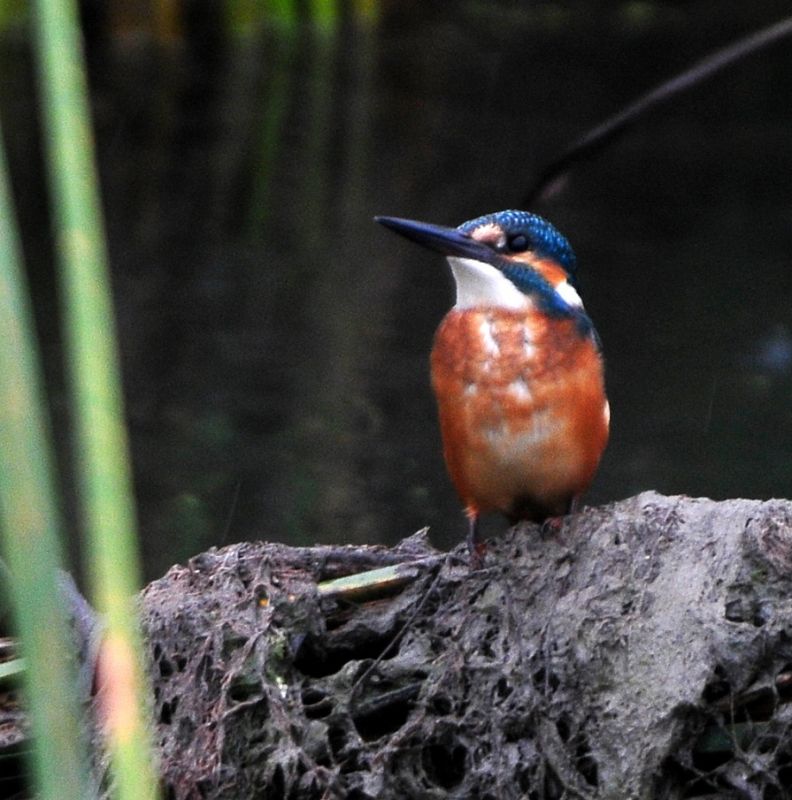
{"points": [[517, 242]]}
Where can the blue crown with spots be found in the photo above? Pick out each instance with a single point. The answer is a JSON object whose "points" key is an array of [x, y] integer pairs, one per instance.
{"points": [[543, 238]]}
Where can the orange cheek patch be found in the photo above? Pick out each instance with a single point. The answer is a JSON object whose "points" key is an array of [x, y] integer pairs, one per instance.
{"points": [[549, 270]]}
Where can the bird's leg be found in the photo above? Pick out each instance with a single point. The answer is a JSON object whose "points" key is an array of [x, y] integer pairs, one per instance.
{"points": [[476, 547], [554, 526]]}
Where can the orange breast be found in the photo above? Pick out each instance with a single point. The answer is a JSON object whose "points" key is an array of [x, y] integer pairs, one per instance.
{"points": [[522, 408]]}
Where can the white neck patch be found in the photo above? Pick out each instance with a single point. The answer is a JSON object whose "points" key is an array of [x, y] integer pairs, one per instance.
{"points": [[566, 291], [480, 284]]}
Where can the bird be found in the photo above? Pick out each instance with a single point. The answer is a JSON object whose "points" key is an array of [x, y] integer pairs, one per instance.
{"points": [[516, 368]]}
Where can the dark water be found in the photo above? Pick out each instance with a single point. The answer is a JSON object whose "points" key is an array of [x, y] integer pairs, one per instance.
{"points": [[275, 340]]}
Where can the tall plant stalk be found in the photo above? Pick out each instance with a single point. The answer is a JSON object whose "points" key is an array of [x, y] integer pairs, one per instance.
{"points": [[30, 526], [101, 448]]}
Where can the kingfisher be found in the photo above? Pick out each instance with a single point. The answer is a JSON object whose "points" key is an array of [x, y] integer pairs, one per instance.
{"points": [[516, 368]]}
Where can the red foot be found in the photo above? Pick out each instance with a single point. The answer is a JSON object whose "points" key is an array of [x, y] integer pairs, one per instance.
{"points": [[552, 526]]}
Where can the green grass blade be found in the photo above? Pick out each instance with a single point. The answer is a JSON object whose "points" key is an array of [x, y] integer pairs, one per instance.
{"points": [[104, 478], [30, 528]]}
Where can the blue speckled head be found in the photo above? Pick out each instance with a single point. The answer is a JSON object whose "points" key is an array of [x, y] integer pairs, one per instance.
{"points": [[517, 244], [539, 236]]}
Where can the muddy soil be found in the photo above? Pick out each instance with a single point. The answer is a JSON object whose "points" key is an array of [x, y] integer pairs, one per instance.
{"points": [[644, 651]]}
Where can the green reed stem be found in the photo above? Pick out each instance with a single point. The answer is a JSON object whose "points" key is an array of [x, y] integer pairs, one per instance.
{"points": [[30, 527], [102, 461]]}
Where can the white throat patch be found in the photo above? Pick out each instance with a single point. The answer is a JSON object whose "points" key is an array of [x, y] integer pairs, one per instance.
{"points": [[480, 284]]}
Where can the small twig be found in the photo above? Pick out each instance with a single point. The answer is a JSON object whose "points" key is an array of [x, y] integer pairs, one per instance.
{"points": [[8, 648], [376, 583], [373, 584], [398, 637], [231, 512], [11, 670], [334, 561], [723, 738], [386, 700], [783, 682], [557, 756]]}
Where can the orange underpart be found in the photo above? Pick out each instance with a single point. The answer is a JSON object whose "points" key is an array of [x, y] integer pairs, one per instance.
{"points": [[522, 405]]}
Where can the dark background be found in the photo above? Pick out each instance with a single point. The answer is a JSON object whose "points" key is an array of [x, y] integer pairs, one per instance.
{"points": [[275, 340]]}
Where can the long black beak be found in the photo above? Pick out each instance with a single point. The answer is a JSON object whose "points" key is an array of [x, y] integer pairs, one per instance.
{"points": [[448, 241]]}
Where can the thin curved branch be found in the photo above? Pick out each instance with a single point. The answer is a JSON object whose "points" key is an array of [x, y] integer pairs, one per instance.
{"points": [[599, 137]]}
